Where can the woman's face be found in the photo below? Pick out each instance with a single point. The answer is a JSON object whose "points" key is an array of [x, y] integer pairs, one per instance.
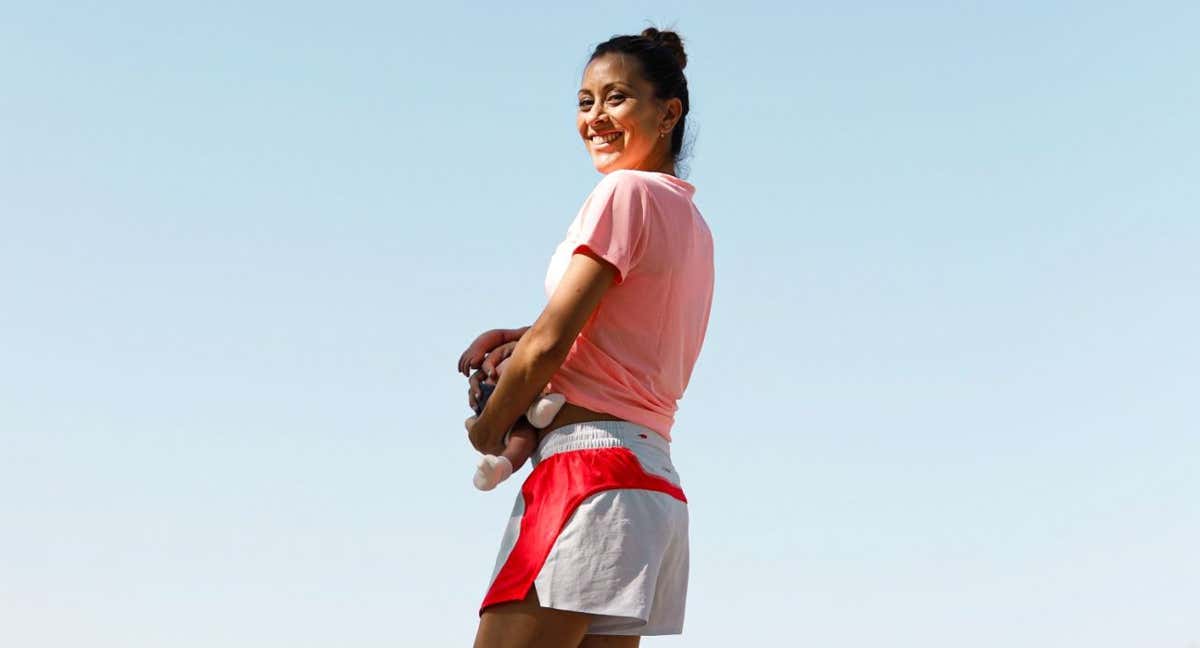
{"points": [[620, 119]]}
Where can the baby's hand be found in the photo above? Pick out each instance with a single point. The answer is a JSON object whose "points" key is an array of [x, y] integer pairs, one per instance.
{"points": [[485, 392], [479, 388], [496, 342], [473, 357], [493, 364], [475, 389]]}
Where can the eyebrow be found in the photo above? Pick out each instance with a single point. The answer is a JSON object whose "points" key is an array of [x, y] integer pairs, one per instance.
{"points": [[606, 86]]}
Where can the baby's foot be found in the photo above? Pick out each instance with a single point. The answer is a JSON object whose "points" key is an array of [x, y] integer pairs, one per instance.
{"points": [[544, 410], [491, 471]]}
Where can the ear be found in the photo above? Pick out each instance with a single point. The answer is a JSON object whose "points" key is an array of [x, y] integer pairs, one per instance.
{"points": [[673, 108]]}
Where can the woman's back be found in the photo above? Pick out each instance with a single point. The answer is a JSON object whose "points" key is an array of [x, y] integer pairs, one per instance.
{"points": [[634, 357]]}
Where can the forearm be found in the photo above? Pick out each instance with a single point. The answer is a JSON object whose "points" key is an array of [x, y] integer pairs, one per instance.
{"points": [[512, 335], [543, 348], [493, 338], [526, 373]]}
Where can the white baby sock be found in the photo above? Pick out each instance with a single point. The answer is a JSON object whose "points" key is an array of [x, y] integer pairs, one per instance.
{"points": [[491, 471], [544, 409]]}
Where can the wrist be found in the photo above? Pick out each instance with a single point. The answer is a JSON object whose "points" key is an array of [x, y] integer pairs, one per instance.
{"points": [[512, 335], [485, 438]]}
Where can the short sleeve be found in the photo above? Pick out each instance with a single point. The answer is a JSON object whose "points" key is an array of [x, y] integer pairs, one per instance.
{"points": [[612, 222]]}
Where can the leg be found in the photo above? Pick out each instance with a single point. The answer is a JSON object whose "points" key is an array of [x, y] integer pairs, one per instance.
{"points": [[544, 409], [522, 440], [526, 624]]}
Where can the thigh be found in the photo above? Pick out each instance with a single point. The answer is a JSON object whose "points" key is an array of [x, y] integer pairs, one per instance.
{"points": [[610, 641], [526, 624]]}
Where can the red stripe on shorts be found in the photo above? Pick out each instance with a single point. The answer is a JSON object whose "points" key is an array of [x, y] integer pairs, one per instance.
{"points": [[554, 489]]}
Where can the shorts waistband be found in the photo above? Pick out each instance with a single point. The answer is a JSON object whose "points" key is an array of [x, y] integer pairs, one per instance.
{"points": [[600, 434]]}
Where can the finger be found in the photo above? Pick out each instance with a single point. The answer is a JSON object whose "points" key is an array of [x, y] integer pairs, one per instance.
{"points": [[495, 357], [489, 363], [469, 360], [474, 392], [500, 367], [470, 422], [505, 354], [508, 350]]}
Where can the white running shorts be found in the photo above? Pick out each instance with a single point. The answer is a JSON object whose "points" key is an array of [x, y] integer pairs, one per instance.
{"points": [[600, 526]]}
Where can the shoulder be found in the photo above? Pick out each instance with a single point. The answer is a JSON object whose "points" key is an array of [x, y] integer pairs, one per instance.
{"points": [[628, 188], [623, 190], [627, 180]]}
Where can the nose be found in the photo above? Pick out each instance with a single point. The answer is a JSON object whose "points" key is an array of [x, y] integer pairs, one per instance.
{"points": [[597, 125], [594, 115]]}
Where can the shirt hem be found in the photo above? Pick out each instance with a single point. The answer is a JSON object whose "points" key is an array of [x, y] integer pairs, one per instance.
{"points": [[657, 422]]}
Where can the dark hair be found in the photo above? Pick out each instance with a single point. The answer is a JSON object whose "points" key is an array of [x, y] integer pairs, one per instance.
{"points": [[662, 58]]}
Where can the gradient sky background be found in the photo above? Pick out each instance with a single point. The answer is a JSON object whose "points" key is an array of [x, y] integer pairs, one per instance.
{"points": [[948, 395]]}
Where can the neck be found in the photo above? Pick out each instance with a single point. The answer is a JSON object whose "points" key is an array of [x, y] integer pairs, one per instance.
{"points": [[660, 160], [666, 166]]}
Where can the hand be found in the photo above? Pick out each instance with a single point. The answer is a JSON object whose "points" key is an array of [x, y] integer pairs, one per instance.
{"points": [[486, 343], [473, 357], [474, 393], [469, 423], [477, 437], [493, 364], [490, 372]]}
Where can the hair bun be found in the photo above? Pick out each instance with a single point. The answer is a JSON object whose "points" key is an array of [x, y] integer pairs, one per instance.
{"points": [[669, 40]]}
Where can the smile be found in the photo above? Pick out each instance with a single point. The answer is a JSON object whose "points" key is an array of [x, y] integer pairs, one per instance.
{"points": [[604, 139]]}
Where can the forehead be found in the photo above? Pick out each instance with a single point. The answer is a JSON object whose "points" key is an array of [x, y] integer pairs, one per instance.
{"points": [[612, 69]]}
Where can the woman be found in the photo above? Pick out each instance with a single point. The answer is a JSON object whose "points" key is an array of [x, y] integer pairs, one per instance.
{"points": [[596, 552]]}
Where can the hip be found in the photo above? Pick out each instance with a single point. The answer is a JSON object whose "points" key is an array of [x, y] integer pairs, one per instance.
{"points": [[650, 449]]}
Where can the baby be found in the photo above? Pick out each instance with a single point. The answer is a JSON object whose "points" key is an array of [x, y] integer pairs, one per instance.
{"points": [[522, 439]]}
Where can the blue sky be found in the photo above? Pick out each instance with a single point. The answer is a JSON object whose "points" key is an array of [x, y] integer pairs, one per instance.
{"points": [[948, 394]]}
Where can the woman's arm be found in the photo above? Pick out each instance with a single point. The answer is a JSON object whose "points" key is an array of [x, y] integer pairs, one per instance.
{"points": [[542, 349]]}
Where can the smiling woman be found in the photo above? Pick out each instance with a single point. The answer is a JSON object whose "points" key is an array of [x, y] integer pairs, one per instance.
{"points": [[629, 104], [596, 550]]}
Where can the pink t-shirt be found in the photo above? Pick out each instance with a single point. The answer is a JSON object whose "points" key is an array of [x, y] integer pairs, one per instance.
{"points": [[634, 356]]}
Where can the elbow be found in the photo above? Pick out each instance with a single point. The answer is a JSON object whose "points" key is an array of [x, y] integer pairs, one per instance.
{"points": [[546, 349]]}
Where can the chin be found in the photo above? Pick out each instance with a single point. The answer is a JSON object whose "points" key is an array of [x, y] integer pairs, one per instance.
{"points": [[609, 165]]}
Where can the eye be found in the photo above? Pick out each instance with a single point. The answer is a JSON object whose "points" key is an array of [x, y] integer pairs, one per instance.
{"points": [[615, 95], [584, 102]]}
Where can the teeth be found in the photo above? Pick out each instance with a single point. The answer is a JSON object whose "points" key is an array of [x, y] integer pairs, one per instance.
{"points": [[597, 139]]}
